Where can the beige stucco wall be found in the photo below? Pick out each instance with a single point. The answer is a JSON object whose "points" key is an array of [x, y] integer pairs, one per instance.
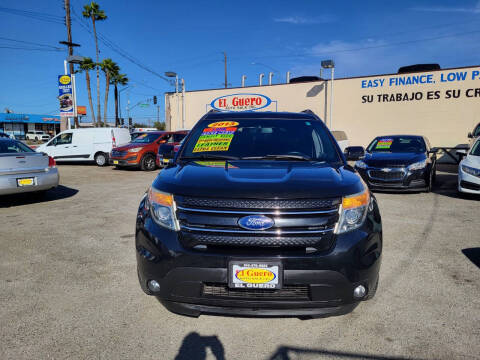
{"points": [[445, 121]]}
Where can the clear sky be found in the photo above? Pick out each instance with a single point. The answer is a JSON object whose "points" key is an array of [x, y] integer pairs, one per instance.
{"points": [[189, 37]]}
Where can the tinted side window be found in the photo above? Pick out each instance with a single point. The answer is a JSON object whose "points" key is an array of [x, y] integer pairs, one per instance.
{"points": [[178, 137], [476, 132]]}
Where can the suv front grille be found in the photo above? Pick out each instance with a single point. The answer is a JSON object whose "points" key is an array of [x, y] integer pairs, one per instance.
{"points": [[291, 292], [298, 223], [117, 153], [384, 175]]}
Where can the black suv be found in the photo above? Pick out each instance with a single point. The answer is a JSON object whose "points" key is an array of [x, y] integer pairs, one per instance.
{"points": [[259, 215]]}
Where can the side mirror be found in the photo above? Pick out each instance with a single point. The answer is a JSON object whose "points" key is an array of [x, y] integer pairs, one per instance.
{"points": [[433, 150], [462, 153], [353, 153], [470, 135]]}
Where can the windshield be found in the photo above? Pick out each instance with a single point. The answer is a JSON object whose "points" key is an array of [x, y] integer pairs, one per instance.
{"points": [[146, 138], [12, 146], [404, 144], [475, 149], [261, 139]]}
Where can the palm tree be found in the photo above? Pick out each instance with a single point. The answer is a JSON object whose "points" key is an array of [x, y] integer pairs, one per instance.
{"points": [[118, 79], [85, 66], [110, 68], [92, 11]]}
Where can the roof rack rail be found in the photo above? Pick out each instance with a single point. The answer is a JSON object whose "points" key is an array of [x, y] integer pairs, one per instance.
{"points": [[308, 111]]}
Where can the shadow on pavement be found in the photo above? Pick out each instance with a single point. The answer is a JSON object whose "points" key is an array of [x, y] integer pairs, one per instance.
{"points": [[290, 353], [473, 254], [194, 346], [58, 193]]}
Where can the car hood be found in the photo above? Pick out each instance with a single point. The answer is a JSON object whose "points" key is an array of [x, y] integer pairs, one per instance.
{"points": [[386, 159], [130, 146], [472, 161], [259, 180]]}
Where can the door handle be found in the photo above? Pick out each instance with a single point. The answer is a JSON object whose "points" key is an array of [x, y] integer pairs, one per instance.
{"points": [[74, 146]]}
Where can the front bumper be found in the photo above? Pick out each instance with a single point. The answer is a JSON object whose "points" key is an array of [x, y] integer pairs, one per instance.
{"points": [[468, 183], [44, 180], [329, 277], [130, 160], [417, 180]]}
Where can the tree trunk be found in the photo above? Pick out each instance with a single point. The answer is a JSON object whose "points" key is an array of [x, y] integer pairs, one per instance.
{"points": [[116, 105], [89, 91], [99, 116], [107, 88]]}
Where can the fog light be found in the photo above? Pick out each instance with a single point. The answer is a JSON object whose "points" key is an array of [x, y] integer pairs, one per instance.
{"points": [[359, 292], [153, 285]]}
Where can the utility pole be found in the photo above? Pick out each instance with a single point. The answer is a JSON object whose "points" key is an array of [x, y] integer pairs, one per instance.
{"points": [[68, 23], [225, 61]]}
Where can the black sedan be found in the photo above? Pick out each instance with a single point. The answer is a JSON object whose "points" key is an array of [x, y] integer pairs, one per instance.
{"points": [[396, 162]]}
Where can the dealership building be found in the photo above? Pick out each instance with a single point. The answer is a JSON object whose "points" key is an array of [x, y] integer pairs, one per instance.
{"points": [[20, 124], [443, 105]]}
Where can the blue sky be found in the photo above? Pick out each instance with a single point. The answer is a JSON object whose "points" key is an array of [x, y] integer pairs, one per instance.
{"points": [[189, 37]]}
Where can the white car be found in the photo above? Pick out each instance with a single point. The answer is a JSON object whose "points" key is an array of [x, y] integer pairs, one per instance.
{"points": [[341, 138], [469, 170], [83, 145], [37, 135]]}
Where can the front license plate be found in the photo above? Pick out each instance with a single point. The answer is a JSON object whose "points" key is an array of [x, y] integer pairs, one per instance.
{"points": [[25, 182], [165, 161], [255, 275], [115, 162]]}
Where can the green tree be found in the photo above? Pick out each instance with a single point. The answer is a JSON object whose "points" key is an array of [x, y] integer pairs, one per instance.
{"points": [[85, 66], [159, 125], [118, 79], [92, 11], [138, 125], [110, 68]]}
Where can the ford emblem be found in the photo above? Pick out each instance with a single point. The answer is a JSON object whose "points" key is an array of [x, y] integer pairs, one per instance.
{"points": [[256, 222]]}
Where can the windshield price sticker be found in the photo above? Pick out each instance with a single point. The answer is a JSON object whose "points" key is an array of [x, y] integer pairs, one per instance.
{"points": [[215, 139], [222, 124], [384, 144]]}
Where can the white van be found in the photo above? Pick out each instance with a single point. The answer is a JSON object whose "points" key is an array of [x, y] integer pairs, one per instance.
{"points": [[92, 144]]}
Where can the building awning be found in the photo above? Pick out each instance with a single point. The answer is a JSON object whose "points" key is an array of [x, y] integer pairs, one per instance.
{"points": [[29, 118]]}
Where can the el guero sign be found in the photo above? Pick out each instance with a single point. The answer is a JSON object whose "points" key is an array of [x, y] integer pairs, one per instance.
{"points": [[241, 102]]}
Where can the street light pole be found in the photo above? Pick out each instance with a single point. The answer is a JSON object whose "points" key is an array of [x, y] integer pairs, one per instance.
{"points": [[329, 64]]}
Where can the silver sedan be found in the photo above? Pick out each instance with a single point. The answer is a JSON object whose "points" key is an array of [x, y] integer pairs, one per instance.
{"points": [[24, 170]]}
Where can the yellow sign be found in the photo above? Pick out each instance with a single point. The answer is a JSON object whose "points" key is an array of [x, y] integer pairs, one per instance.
{"points": [[25, 182], [221, 124], [65, 79]]}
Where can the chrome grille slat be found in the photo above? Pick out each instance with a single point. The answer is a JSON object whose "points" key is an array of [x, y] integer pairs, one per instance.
{"points": [[261, 232], [273, 212]]}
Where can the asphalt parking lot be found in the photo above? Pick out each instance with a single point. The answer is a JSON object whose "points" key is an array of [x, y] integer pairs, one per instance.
{"points": [[69, 289]]}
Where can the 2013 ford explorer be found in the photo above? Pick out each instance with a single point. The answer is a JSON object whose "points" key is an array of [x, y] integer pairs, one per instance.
{"points": [[259, 215]]}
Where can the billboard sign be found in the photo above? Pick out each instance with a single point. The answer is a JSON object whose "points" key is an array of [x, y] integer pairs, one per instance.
{"points": [[241, 102], [65, 95]]}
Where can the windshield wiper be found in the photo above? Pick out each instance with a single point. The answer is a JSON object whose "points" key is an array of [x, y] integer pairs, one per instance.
{"points": [[209, 157], [279, 157]]}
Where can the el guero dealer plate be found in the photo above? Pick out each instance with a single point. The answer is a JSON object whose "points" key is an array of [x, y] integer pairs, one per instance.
{"points": [[245, 274]]}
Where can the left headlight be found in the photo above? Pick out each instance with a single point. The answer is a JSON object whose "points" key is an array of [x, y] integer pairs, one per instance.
{"points": [[418, 165], [360, 164], [162, 209], [470, 170], [137, 149], [353, 212]]}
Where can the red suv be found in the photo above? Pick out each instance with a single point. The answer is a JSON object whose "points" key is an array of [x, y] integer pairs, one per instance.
{"points": [[141, 151]]}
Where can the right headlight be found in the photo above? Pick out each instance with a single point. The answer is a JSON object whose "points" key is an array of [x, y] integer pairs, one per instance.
{"points": [[353, 212], [137, 149], [162, 209], [360, 164]]}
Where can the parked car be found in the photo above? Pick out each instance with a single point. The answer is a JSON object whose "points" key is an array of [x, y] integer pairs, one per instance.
{"points": [[397, 162], [474, 134], [24, 170], [341, 138], [469, 170], [168, 150], [140, 152], [83, 145], [260, 215], [37, 135]]}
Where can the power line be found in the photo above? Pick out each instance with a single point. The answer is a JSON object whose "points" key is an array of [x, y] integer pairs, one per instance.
{"points": [[111, 45], [27, 48], [34, 15], [31, 43]]}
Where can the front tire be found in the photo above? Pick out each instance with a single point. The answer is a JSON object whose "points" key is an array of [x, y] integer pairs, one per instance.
{"points": [[100, 159], [148, 163]]}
